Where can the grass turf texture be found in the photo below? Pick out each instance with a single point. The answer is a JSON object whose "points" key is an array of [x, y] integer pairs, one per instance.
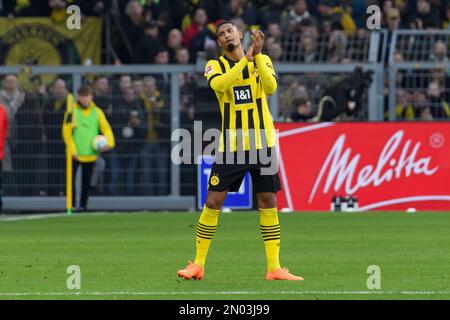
{"points": [[139, 253]]}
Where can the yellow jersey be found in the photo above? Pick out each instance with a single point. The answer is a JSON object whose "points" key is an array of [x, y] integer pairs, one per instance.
{"points": [[241, 88]]}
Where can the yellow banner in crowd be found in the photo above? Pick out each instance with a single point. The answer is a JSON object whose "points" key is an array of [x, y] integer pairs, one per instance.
{"points": [[40, 41]]}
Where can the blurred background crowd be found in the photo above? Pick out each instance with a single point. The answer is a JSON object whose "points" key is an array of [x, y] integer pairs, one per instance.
{"points": [[164, 32]]}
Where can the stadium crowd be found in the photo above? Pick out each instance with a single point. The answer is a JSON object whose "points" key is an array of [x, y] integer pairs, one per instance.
{"points": [[181, 32]]}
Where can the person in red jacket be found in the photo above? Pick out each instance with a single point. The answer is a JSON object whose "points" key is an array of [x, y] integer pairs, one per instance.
{"points": [[3, 135]]}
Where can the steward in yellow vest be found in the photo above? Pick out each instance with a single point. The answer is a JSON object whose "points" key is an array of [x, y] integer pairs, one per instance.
{"points": [[83, 121]]}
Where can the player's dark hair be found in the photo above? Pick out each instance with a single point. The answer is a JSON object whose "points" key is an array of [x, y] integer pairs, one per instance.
{"points": [[84, 90], [222, 23]]}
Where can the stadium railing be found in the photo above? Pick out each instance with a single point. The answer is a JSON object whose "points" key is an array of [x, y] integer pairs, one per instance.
{"points": [[417, 58], [20, 193]]}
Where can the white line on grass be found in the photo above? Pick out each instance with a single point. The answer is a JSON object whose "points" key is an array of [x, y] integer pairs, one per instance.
{"points": [[54, 215], [248, 293], [32, 217]]}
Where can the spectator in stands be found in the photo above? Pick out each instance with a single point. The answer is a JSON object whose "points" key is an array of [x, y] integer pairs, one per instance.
{"points": [[163, 79], [302, 111], [393, 19], [420, 105], [274, 31], [165, 23], [199, 24], [162, 56], [386, 6], [133, 29], [336, 46], [271, 12], [102, 95], [138, 85], [425, 114], [153, 155], [103, 99], [293, 17], [291, 90], [338, 16], [440, 75], [309, 26], [186, 100], [275, 51], [425, 17], [182, 56], [131, 136], [240, 9], [439, 107], [124, 83], [12, 98], [199, 35], [3, 136], [308, 48], [403, 107], [147, 45], [174, 42], [439, 53], [59, 100]]}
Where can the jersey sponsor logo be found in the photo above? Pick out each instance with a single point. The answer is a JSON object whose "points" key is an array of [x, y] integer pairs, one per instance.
{"points": [[242, 94], [209, 70]]}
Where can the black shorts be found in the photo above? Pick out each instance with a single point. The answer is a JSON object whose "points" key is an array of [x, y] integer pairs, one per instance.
{"points": [[226, 176]]}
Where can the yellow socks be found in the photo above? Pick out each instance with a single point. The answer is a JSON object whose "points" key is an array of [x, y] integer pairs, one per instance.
{"points": [[270, 230], [206, 228]]}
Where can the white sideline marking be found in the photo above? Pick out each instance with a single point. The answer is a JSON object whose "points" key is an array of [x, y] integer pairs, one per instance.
{"points": [[32, 217], [249, 293], [405, 200], [54, 215]]}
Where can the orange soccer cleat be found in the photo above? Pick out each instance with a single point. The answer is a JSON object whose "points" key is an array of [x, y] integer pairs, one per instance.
{"points": [[281, 274], [192, 270]]}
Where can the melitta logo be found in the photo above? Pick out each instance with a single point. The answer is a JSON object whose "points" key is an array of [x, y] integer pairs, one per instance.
{"points": [[398, 159]]}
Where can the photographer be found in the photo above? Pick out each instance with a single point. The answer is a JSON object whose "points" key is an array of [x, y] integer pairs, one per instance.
{"points": [[344, 99]]}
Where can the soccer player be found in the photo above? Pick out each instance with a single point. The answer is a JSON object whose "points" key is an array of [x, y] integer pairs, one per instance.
{"points": [[241, 81]]}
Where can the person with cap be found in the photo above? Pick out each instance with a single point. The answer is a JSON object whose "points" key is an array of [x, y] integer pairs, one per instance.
{"points": [[148, 44]]}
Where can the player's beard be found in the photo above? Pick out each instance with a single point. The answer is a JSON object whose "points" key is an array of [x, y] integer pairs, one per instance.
{"points": [[230, 47]]}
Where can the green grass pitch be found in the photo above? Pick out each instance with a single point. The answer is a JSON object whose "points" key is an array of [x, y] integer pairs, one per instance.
{"points": [[136, 256]]}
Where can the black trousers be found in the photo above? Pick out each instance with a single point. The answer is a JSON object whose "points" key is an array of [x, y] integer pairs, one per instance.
{"points": [[87, 169]]}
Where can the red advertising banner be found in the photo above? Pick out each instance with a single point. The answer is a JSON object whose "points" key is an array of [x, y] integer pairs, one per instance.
{"points": [[387, 166]]}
